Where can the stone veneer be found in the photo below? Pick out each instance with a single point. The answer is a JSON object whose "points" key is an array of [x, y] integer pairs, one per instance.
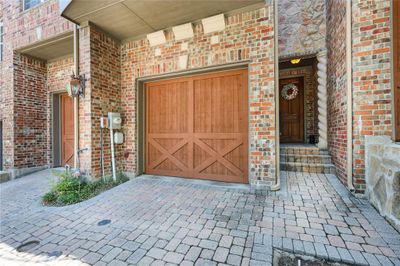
{"points": [[302, 27], [248, 37], [382, 167]]}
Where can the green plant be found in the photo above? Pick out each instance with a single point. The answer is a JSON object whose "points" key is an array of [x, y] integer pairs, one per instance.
{"points": [[71, 189]]}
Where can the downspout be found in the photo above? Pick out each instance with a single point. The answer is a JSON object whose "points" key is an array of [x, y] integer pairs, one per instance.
{"points": [[349, 86], [76, 99], [277, 184]]}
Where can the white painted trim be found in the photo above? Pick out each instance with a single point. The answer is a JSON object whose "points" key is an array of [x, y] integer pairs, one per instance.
{"points": [[76, 99]]}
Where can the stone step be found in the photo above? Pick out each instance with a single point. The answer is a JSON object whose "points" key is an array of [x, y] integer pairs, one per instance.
{"points": [[308, 158], [303, 150], [308, 167], [4, 176]]}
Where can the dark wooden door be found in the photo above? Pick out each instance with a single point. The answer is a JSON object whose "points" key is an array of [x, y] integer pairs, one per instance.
{"points": [[396, 66], [291, 112], [198, 127], [67, 130]]}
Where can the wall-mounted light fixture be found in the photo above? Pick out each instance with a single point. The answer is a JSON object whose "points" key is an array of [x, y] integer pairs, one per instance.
{"points": [[76, 86], [182, 32], [295, 61], [213, 24], [156, 38]]}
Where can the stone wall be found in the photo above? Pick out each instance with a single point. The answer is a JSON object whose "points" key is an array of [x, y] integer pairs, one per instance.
{"points": [[382, 168], [302, 27], [372, 97], [336, 85], [248, 37]]}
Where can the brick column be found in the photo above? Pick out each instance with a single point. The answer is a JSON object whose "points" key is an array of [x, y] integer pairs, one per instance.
{"points": [[322, 100]]}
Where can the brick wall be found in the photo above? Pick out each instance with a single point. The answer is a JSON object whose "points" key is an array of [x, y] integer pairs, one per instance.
{"points": [[105, 61], [30, 140], [336, 85], [372, 111], [248, 36], [21, 29]]}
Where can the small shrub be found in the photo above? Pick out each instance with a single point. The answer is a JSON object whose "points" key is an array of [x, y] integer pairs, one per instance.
{"points": [[71, 189]]}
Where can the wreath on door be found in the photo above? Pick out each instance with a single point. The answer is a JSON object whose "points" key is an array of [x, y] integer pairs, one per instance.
{"points": [[289, 91]]}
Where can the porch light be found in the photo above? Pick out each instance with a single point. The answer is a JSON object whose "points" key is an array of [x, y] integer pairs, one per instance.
{"points": [[76, 86], [156, 38], [213, 24], [182, 32], [295, 61]]}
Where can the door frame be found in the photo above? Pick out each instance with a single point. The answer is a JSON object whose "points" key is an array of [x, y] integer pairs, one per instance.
{"points": [[304, 105], [141, 106], [56, 127]]}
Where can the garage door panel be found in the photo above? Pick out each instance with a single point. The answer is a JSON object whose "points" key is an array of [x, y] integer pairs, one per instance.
{"points": [[218, 104], [168, 112], [197, 127]]}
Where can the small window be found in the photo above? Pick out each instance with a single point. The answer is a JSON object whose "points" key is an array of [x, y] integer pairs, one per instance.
{"points": [[1, 40], [27, 4]]}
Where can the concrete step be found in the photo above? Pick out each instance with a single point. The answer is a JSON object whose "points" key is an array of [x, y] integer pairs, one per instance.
{"points": [[308, 167], [308, 158], [4, 176]]}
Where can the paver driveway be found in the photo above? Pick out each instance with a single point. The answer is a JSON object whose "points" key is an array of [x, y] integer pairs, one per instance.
{"points": [[158, 221]]}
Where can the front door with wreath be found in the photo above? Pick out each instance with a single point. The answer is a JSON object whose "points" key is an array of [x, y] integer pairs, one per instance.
{"points": [[291, 110]]}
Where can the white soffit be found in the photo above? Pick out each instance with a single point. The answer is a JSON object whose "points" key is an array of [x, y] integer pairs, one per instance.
{"points": [[156, 38], [182, 32], [213, 24]]}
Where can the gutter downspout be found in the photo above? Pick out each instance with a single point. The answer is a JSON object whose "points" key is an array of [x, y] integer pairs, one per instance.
{"points": [[277, 184], [76, 99], [349, 87]]}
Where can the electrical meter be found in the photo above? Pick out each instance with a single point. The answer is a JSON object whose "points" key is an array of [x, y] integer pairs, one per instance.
{"points": [[115, 120]]}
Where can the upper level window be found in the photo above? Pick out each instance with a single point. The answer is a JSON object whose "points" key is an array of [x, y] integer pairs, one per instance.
{"points": [[1, 40], [27, 4]]}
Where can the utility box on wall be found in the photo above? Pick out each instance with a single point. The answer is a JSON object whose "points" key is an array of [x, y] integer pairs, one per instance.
{"points": [[115, 120]]}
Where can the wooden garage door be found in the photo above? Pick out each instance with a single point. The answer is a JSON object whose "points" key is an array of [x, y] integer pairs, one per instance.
{"points": [[197, 127]]}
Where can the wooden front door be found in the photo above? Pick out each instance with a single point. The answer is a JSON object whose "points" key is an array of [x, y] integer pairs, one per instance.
{"points": [[197, 127], [291, 111], [67, 130]]}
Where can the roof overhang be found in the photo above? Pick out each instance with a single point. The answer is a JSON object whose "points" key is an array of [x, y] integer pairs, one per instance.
{"points": [[57, 46], [127, 19]]}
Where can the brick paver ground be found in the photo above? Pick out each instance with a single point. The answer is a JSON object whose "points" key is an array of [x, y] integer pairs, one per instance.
{"points": [[169, 221]]}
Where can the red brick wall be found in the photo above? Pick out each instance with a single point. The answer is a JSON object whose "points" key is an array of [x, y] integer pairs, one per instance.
{"points": [[248, 36], [371, 78], [105, 85], [20, 30], [30, 140], [336, 85]]}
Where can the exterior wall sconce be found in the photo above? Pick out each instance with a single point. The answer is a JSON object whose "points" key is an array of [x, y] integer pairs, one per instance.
{"points": [[76, 86], [295, 61]]}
